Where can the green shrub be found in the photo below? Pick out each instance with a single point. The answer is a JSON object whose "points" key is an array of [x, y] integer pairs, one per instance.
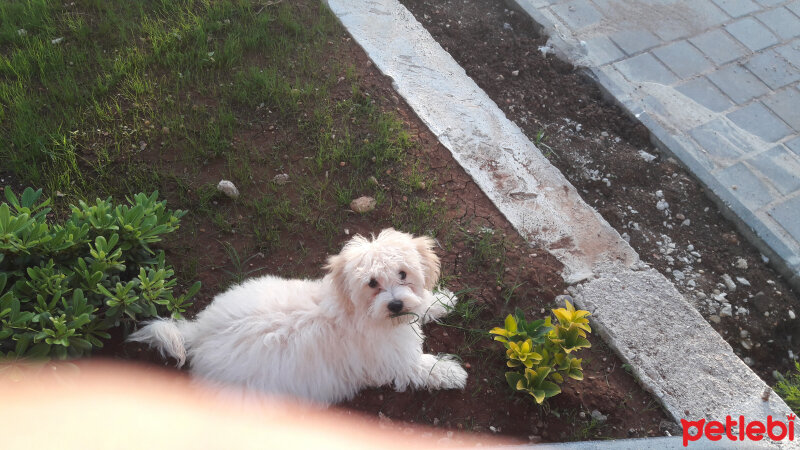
{"points": [[542, 352], [788, 388], [63, 285]]}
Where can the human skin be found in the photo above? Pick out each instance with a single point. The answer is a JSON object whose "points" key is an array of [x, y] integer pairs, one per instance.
{"points": [[107, 405]]}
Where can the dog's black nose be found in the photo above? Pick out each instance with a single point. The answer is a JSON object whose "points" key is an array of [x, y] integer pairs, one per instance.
{"points": [[395, 306]]}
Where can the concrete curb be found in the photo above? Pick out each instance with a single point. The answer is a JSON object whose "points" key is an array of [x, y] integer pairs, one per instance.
{"points": [[672, 349]]}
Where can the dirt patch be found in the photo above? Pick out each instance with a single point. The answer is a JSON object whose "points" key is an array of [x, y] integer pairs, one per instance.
{"points": [[647, 197], [483, 259]]}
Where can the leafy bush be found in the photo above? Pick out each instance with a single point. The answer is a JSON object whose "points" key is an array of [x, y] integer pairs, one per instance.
{"points": [[788, 388], [62, 286], [543, 351]]}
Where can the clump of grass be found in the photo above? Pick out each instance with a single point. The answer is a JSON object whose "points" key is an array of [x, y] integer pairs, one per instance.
{"points": [[788, 387]]}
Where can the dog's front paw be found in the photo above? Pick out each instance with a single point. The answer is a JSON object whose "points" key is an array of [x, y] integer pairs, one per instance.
{"points": [[444, 301], [442, 372]]}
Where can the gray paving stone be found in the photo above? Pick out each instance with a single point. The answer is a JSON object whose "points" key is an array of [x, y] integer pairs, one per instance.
{"points": [[774, 70], [635, 41], [719, 151], [578, 14], [794, 145], [770, 2], [782, 22], [787, 214], [752, 34], [795, 7], [718, 46], [760, 121], [602, 51], [786, 104], [705, 93], [705, 13], [738, 83], [645, 67], [737, 8], [683, 59], [745, 185], [780, 167], [791, 52]]}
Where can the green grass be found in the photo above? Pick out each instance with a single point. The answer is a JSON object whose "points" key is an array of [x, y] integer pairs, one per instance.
{"points": [[142, 95], [788, 387]]}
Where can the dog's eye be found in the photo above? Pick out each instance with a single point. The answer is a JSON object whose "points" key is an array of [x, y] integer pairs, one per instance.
{"points": [[402, 275], [373, 283]]}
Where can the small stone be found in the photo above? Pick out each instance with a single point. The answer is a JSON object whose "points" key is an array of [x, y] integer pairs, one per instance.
{"points": [[515, 73], [22, 32], [741, 263], [748, 360], [648, 157], [792, 315], [680, 216], [715, 318], [729, 284], [165, 130], [726, 311], [678, 275], [662, 205], [281, 178], [582, 415], [467, 366], [228, 188], [598, 416], [686, 223], [363, 204], [746, 344], [743, 281], [742, 311], [372, 180], [57, 40]]}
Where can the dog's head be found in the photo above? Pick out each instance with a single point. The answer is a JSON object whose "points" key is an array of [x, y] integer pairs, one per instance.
{"points": [[386, 276]]}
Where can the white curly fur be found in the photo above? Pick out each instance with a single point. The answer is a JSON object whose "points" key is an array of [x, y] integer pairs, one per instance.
{"points": [[323, 340]]}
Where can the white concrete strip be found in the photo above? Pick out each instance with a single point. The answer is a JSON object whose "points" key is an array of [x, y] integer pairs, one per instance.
{"points": [[675, 353]]}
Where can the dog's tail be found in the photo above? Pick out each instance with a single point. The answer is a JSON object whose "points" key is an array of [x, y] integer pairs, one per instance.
{"points": [[165, 335]]}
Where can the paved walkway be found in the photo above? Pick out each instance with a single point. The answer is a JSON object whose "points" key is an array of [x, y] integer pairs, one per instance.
{"points": [[718, 84]]}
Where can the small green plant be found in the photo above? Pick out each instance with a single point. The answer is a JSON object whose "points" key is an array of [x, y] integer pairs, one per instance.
{"points": [[543, 350], [63, 285], [788, 387]]}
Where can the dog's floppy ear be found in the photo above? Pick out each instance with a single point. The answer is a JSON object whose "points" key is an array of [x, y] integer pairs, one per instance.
{"points": [[430, 262], [337, 267]]}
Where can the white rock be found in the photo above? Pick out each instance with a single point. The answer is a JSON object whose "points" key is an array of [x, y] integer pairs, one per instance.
{"points": [[686, 223], [726, 311], [647, 156], [791, 314], [363, 204], [741, 263], [57, 40], [662, 205], [281, 178], [659, 194], [228, 188], [728, 282], [515, 73], [678, 275], [743, 281], [715, 318], [22, 32], [742, 311]]}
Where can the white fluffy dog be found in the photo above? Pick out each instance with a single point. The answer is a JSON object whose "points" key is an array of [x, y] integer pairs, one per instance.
{"points": [[323, 340]]}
